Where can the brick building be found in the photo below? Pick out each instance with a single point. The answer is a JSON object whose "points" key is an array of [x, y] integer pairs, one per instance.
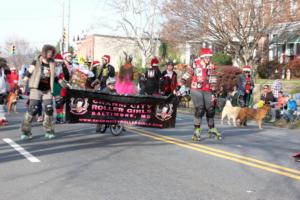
{"points": [[283, 42], [94, 46]]}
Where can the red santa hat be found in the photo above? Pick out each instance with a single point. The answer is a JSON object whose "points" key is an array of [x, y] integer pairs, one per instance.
{"points": [[247, 68], [107, 58], [154, 62], [66, 54], [205, 52], [58, 58], [96, 63]]}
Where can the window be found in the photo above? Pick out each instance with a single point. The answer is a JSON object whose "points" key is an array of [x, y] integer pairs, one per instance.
{"points": [[291, 49], [298, 50], [294, 6]]}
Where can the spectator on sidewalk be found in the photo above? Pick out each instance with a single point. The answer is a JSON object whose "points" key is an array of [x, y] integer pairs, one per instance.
{"points": [[276, 88], [245, 86], [269, 99], [291, 109], [280, 101]]}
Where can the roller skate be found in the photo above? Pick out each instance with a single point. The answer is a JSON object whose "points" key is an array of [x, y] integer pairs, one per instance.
{"points": [[50, 135], [214, 132], [59, 121], [197, 133], [26, 136]]}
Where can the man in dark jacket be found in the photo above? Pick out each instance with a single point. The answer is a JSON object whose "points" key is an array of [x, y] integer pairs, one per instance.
{"points": [[102, 73], [152, 78], [110, 86], [245, 87], [267, 95], [109, 89], [269, 99]]}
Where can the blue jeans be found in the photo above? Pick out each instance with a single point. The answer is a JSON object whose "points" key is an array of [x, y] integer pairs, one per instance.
{"points": [[288, 114]]}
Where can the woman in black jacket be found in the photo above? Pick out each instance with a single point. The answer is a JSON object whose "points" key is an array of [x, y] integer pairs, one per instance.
{"points": [[152, 77]]}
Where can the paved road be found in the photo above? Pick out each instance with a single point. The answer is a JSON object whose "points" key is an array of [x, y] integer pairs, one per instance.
{"points": [[150, 164]]}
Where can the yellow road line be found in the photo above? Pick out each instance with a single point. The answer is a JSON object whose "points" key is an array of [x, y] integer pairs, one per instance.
{"points": [[292, 173], [226, 153]]}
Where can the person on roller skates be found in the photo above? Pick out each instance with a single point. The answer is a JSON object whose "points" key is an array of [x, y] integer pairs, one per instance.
{"points": [[40, 75], [202, 76]]}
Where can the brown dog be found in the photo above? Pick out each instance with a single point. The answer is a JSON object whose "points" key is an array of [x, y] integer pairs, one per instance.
{"points": [[12, 99], [255, 114]]}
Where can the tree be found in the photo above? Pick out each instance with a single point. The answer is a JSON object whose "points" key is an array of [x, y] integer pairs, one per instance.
{"points": [[139, 21], [236, 25], [24, 53], [228, 78]]}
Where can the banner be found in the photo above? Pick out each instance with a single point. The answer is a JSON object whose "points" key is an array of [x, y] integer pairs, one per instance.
{"points": [[89, 106]]}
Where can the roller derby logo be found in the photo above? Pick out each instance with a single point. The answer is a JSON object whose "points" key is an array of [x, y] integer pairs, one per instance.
{"points": [[79, 106], [164, 112]]}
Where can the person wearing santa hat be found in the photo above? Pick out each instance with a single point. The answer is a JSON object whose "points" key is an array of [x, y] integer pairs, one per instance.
{"points": [[152, 78], [102, 72], [13, 78], [67, 66], [169, 80], [203, 92], [245, 86], [59, 91]]}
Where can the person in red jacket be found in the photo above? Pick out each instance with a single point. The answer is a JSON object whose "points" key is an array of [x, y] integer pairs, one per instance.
{"points": [[203, 89], [169, 80], [13, 78]]}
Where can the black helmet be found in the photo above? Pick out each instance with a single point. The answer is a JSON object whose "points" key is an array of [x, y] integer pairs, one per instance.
{"points": [[170, 62]]}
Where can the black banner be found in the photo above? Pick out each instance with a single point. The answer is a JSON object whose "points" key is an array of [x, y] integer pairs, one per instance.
{"points": [[89, 106]]}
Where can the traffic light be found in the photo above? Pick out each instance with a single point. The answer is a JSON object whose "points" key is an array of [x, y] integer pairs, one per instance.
{"points": [[13, 49], [65, 36]]}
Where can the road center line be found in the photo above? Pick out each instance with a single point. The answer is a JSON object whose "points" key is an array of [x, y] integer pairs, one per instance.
{"points": [[292, 173], [21, 150]]}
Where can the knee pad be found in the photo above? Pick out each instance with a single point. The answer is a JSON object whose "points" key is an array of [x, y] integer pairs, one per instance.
{"points": [[199, 112], [49, 109], [33, 109], [210, 112], [59, 102]]}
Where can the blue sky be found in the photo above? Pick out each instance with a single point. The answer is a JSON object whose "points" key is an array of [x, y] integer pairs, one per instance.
{"points": [[40, 21]]}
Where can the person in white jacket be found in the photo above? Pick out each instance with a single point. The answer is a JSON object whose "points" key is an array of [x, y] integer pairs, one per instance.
{"points": [[4, 70]]}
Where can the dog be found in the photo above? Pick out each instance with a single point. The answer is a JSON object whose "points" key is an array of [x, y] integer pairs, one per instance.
{"points": [[181, 67], [255, 114], [230, 112], [12, 99]]}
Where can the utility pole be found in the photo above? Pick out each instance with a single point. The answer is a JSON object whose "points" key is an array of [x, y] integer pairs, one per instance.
{"points": [[63, 28], [69, 14]]}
